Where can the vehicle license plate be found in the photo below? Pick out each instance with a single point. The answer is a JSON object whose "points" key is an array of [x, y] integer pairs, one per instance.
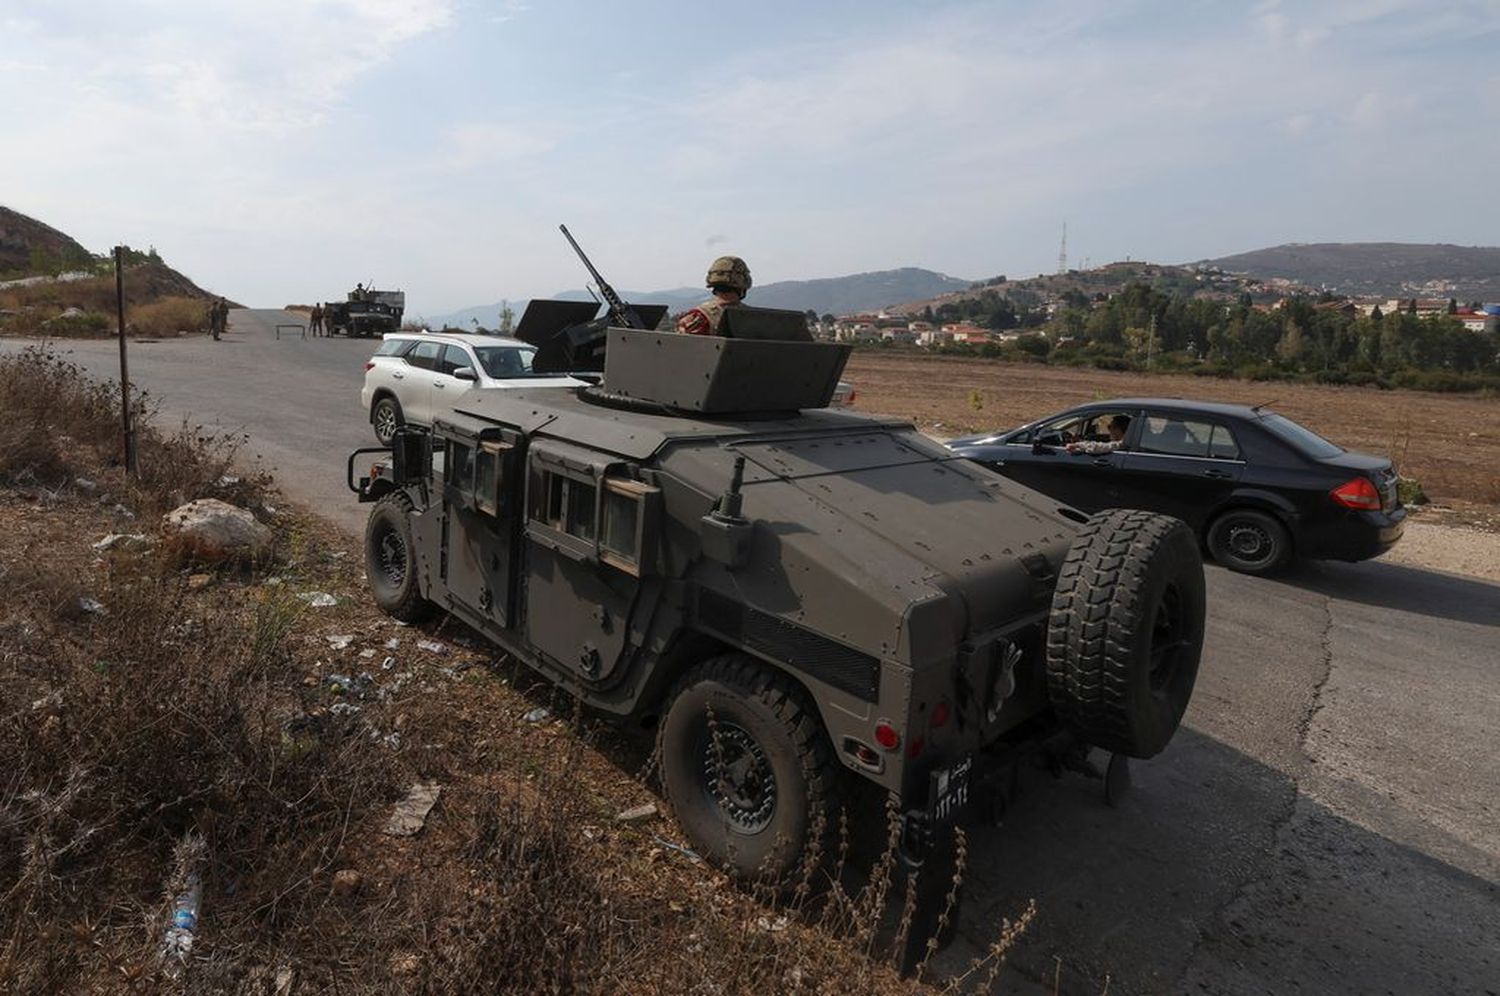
{"points": [[950, 790]]}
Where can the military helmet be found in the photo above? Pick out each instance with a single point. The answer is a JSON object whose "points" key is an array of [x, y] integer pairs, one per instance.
{"points": [[729, 271]]}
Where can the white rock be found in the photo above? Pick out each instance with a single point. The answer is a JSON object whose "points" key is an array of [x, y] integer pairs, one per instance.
{"points": [[318, 599], [636, 814], [212, 530], [122, 541], [410, 814]]}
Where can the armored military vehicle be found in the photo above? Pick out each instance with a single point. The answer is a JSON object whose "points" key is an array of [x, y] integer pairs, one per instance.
{"points": [[366, 313], [795, 596]]}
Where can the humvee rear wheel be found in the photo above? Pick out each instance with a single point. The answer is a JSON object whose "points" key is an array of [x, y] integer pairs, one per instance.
{"points": [[747, 767], [1126, 631], [391, 560]]}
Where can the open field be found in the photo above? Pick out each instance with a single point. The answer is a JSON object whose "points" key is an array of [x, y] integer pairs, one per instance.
{"points": [[1448, 442]]}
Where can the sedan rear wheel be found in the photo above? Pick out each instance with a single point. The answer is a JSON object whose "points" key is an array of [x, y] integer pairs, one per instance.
{"points": [[1249, 541]]}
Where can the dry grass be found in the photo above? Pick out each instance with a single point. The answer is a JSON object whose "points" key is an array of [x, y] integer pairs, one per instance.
{"points": [[170, 315], [158, 301]]}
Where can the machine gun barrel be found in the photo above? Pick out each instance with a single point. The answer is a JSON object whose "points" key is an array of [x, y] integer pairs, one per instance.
{"points": [[620, 312]]}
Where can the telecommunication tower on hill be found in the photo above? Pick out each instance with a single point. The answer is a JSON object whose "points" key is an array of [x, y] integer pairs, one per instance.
{"points": [[1062, 253]]}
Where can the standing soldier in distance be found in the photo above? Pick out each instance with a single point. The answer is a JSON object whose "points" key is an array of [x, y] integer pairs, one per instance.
{"points": [[315, 320], [729, 279]]}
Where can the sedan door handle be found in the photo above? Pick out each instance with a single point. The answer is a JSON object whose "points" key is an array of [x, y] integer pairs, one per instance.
{"points": [[1101, 461], [398, 376], [1222, 475], [438, 383]]}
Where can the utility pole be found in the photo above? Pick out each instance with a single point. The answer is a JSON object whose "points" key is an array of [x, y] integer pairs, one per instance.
{"points": [[131, 469]]}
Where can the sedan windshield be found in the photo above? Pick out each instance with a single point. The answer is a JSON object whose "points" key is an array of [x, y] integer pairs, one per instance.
{"points": [[506, 361], [1303, 439]]}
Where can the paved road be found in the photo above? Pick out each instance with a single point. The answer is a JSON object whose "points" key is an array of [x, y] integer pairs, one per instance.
{"points": [[1326, 823]]}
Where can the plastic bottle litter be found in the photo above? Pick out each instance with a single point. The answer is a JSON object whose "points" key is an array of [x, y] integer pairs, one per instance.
{"points": [[318, 599], [538, 715], [178, 942], [341, 641], [431, 646]]}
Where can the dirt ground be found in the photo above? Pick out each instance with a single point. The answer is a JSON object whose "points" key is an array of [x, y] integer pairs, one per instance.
{"points": [[1448, 442]]}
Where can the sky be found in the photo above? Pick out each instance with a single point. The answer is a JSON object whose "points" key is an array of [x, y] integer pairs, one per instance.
{"points": [[277, 151]]}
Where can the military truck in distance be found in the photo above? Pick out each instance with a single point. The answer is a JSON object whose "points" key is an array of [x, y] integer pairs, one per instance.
{"points": [[366, 313], [793, 595]]}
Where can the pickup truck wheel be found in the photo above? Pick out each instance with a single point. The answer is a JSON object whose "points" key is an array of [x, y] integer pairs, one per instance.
{"points": [[1249, 541], [747, 767], [1126, 631], [386, 417], [391, 560]]}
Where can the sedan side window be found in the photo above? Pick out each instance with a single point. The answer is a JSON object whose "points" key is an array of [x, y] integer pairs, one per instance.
{"points": [[425, 355], [1175, 436], [1221, 445]]}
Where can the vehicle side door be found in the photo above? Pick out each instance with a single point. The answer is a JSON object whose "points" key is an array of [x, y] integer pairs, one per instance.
{"points": [[1085, 481], [414, 387], [1181, 463], [483, 481], [590, 536], [446, 388]]}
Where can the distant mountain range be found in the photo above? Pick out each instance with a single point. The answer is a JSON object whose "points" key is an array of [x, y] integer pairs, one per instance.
{"points": [[1393, 269], [829, 295]]}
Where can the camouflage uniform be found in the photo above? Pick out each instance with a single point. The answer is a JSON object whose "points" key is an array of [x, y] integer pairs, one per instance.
{"points": [[727, 273], [703, 319]]}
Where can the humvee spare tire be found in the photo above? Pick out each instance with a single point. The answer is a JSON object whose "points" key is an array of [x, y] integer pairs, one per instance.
{"points": [[391, 560], [1126, 631], [747, 767]]}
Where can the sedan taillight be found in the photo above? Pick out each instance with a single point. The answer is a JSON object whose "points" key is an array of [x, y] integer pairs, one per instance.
{"points": [[1359, 493], [369, 365]]}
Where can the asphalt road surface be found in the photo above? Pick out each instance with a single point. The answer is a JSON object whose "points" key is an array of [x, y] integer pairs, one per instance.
{"points": [[1327, 822]]}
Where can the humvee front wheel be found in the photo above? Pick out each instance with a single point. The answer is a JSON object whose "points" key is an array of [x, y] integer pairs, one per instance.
{"points": [[391, 560], [747, 767], [1126, 631]]}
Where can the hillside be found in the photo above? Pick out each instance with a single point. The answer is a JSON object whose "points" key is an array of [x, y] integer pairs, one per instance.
{"points": [[50, 284], [1393, 269], [828, 295], [1096, 283], [30, 248]]}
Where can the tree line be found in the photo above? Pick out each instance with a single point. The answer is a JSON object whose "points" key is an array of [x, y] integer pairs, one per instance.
{"points": [[1143, 328]]}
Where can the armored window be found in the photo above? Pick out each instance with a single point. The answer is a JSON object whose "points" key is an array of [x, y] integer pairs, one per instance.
{"points": [[624, 539], [567, 504], [489, 475], [459, 470]]}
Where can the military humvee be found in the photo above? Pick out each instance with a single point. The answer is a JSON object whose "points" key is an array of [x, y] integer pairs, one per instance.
{"points": [[787, 591], [366, 313]]}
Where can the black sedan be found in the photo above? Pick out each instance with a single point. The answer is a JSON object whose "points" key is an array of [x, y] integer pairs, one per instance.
{"points": [[1258, 488]]}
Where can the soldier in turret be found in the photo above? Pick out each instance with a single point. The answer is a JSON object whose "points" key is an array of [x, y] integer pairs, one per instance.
{"points": [[729, 279]]}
